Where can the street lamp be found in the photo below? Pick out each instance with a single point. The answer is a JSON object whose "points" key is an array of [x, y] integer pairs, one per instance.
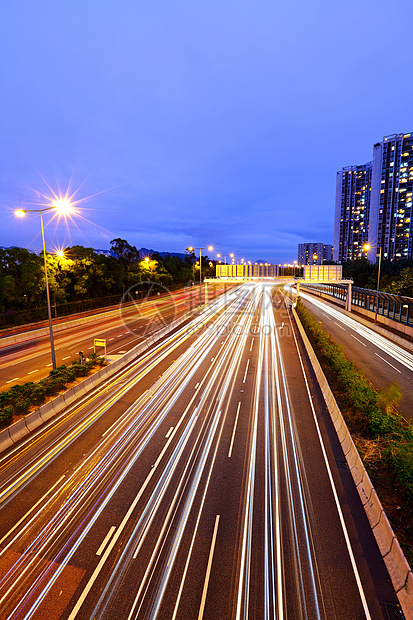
{"points": [[367, 247], [63, 207], [191, 249]]}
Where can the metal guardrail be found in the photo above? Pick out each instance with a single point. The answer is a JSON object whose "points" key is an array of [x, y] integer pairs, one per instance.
{"points": [[395, 307]]}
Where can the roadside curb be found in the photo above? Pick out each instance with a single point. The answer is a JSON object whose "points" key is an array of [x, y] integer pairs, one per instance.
{"points": [[397, 566], [13, 433]]}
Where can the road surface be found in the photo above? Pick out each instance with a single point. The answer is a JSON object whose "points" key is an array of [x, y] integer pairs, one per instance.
{"points": [[203, 482]]}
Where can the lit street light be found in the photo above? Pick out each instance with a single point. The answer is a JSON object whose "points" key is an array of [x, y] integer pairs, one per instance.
{"points": [[63, 207], [191, 249], [367, 247]]}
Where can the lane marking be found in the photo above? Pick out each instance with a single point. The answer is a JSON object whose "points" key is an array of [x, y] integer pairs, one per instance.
{"points": [[106, 540], [15, 379], [233, 432], [116, 422], [252, 344], [169, 432], [246, 370], [32, 371], [66, 358], [338, 325], [208, 572], [196, 387], [47, 365], [382, 358], [363, 343]]}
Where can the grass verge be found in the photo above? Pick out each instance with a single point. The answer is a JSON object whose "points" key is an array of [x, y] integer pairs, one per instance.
{"points": [[382, 436]]}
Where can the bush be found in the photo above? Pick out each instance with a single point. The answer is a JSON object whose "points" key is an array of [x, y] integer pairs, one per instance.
{"points": [[19, 398], [6, 414]]}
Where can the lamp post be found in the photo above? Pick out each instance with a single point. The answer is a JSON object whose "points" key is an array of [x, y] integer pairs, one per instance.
{"points": [[366, 248], [63, 207], [378, 285], [191, 249]]}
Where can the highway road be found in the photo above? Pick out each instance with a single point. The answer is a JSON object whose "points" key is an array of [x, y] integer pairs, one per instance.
{"points": [[204, 481], [382, 361], [30, 359]]}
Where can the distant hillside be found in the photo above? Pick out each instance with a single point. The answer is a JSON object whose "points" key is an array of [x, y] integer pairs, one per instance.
{"points": [[145, 252]]}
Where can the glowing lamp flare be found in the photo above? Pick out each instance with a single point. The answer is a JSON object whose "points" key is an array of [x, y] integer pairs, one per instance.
{"points": [[63, 206]]}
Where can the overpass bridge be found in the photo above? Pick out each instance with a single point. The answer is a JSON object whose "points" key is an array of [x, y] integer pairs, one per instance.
{"points": [[266, 273]]}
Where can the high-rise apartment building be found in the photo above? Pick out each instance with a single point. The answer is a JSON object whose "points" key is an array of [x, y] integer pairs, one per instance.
{"points": [[314, 253], [374, 203], [391, 196], [353, 192]]}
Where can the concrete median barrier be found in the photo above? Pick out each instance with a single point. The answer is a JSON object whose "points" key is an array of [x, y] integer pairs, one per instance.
{"points": [[18, 430], [87, 384], [79, 389], [33, 420], [69, 396], [5, 440], [58, 403], [47, 411], [398, 568]]}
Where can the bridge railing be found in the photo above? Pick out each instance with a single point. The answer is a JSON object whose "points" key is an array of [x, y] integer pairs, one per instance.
{"points": [[394, 307]]}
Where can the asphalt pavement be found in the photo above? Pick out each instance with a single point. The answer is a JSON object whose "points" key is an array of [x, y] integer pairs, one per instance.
{"points": [[204, 481]]}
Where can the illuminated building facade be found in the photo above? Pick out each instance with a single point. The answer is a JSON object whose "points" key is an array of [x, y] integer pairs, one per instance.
{"points": [[314, 253], [391, 195], [353, 197], [374, 204]]}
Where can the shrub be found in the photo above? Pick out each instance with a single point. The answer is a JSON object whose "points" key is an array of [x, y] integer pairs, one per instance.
{"points": [[19, 398], [6, 414]]}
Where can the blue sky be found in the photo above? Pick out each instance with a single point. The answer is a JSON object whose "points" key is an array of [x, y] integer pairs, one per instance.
{"points": [[193, 123]]}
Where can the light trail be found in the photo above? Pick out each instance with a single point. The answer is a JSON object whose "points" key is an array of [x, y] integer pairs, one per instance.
{"points": [[169, 446], [387, 346]]}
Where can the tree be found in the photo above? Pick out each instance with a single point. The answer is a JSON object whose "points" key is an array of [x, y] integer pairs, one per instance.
{"points": [[404, 284], [360, 270], [127, 254], [89, 276], [25, 283]]}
